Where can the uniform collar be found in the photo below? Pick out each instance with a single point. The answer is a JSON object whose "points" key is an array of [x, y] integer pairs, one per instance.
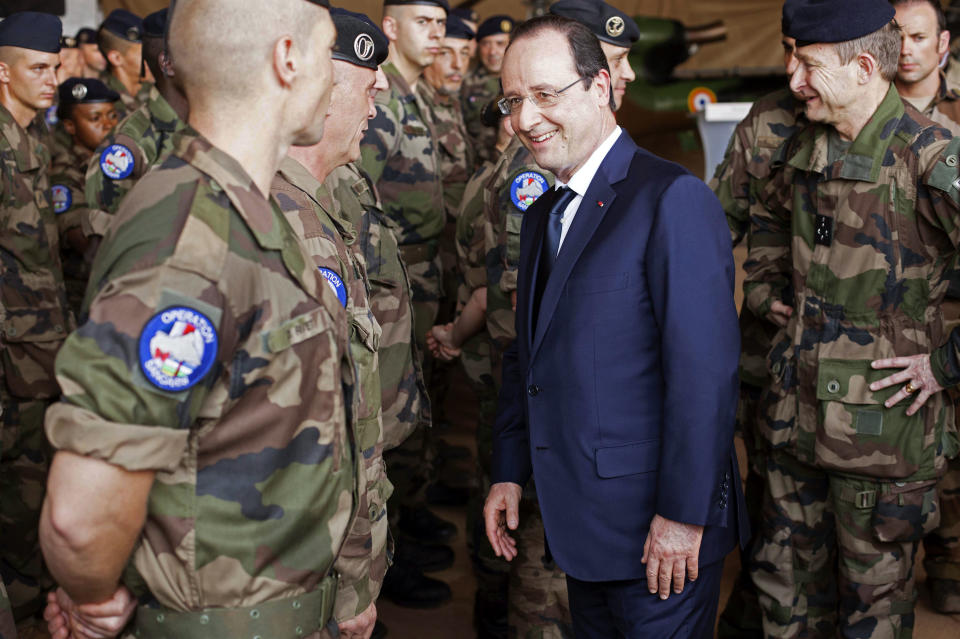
{"points": [[865, 157], [161, 113], [296, 174]]}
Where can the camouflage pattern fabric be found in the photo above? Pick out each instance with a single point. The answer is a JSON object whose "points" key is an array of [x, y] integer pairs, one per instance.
{"points": [[863, 235], [478, 88], [328, 237], [36, 319], [127, 103], [456, 154], [67, 183], [216, 355], [8, 629], [945, 107], [147, 136]]}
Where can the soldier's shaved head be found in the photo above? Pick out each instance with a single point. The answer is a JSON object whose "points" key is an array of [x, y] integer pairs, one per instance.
{"points": [[10, 55]]}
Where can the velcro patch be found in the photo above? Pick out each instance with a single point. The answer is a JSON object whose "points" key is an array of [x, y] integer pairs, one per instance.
{"points": [[61, 197], [178, 346], [526, 188], [116, 162]]}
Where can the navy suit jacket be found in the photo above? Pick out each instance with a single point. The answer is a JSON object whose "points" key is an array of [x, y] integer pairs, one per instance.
{"points": [[621, 401]]}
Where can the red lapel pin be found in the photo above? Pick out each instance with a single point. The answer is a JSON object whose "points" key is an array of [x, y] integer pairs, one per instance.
{"points": [[599, 203]]}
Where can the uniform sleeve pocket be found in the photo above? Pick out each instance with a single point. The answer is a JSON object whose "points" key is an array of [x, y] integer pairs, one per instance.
{"points": [[629, 459]]}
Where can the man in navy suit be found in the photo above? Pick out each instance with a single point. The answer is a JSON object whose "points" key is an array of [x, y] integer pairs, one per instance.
{"points": [[620, 390]]}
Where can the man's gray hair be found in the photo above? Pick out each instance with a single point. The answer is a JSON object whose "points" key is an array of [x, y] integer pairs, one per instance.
{"points": [[883, 44]]}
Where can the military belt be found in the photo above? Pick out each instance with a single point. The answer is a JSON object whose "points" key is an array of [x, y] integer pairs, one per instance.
{"points": [[287, 618], [417, 253]]}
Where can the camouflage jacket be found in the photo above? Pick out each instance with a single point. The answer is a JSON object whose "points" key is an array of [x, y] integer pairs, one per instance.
{"points": [[404, 401], [314, 215], [142, 139], [515, 184], [127, 103], [945, 107], [70, 207], [471, 257], [215, 355], [858, 244], [479, 87], [400, 154], [456, 155], [36, 316], [771, 121]]}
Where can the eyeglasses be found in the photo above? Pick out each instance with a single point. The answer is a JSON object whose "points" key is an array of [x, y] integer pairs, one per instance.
{"points": [[542, 99]]}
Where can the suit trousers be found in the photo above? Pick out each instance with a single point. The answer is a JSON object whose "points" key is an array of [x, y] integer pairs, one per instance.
{"points": [[627, 610]]}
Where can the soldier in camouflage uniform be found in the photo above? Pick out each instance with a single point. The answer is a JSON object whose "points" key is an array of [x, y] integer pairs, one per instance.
{"points": [[851, 236], [208, 395], [36, 316], [142, 139], [87, 114], [772, 120], [483, 84], [120, 41], [331, 239], [921, 83]]}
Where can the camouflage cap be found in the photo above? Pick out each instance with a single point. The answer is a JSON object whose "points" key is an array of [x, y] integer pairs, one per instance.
{"points": [[495, 25], [31, 30], [359, 40], [608, 23], [812, 21], [124, 24], [457, 28]]}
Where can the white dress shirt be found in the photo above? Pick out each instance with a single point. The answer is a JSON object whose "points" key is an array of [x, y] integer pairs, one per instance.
{"points": [[581, 180]]}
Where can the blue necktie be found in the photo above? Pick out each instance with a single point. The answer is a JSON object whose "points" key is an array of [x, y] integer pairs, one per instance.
{"points": [[555, 224]]}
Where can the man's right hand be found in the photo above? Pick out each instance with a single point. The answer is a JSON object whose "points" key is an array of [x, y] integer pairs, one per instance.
{"points": [[500, 512], [779, 313], [104, 620]]}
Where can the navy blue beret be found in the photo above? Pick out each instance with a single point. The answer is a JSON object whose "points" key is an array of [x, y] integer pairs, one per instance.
{"points": [[31, 30], [359, 40], [68, 42], [811, 21], [443, 4], [86, 35], [495, 25], [85, 91], [155, 24], [124, 24], [608, 23], [465, 14], [457, 28]]}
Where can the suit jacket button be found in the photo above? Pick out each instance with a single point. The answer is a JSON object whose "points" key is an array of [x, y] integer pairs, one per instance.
{"points": [[533, 390]]}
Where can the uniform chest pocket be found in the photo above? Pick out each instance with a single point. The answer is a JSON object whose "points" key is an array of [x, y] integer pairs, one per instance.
{"points": [[363, 346]]}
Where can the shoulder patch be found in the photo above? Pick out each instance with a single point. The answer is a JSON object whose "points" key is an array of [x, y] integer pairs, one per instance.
{"points": [[62, 198], [526, 188], [51, 116], [116, 162], [177, 348], [336, 284]]}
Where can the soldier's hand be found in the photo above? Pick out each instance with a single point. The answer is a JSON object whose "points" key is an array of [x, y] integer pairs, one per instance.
{"points": [[500, 512], [361, 626], [671, 553], [779, 313], [102, 620], [917, 378], [440, 342]]}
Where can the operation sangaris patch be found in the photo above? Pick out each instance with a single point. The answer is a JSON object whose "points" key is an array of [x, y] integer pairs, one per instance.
{"points": [[336, 284], [177, 348], [116, 162], [526, 188], [62, 198]]}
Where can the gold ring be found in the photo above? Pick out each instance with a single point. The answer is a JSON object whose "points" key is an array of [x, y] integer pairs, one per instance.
{"points": [[910, 389]]}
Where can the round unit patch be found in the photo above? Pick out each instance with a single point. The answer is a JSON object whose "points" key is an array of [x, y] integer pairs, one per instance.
{"points": [[336, 284], [116, 162], [177, 348], [526, 188], [62, 198], [51, 116], [699, 98]]}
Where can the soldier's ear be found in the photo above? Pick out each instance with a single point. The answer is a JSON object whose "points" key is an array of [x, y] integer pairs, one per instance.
{"points": [[285, 63], [390, 27], [866, 67], [69, 127]]}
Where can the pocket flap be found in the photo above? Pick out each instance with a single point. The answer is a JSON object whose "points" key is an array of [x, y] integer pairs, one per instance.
{"points": [[848, 381], [46, 325], [629, 459]]}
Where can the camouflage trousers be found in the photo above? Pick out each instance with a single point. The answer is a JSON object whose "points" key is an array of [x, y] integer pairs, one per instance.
{"points": [[539, 606], [23, 479], [8, 629], [942, 546], [834, 555]]}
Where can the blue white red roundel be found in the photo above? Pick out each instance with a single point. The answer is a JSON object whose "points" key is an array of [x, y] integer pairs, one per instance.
{"points": [[116, 162], [62, 198], [336, 284], [526, 188], [177, 348]]}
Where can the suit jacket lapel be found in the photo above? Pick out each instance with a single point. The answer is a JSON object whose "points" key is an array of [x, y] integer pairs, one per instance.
{"points": [[596, 203]]}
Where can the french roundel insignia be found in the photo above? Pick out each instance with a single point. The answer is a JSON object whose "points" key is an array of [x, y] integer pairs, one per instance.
{"points": [[336, 284], [526, 188], [363, 46], [116, 162], [177, 348], [62, 198], [699, 98]]}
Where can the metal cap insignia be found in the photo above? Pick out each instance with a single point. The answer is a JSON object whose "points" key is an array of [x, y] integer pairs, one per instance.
{"points": [[615, 26], [363, 46], [79, 91], [506, 26]]}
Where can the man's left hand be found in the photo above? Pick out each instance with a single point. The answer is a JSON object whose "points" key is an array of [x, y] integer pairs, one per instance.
{"points": [[916, 377], [671, 553], [361, 626]]}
